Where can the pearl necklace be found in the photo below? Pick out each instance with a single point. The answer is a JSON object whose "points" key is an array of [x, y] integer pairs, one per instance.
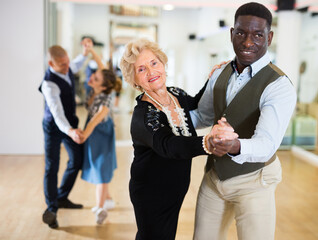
{"points": [[181, 116]]}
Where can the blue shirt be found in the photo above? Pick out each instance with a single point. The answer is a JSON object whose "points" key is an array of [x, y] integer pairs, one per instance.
{"points": [[52, 92], [277, 104]]}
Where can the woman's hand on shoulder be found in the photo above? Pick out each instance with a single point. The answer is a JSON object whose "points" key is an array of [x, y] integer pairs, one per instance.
{"points": [[217, 66]]}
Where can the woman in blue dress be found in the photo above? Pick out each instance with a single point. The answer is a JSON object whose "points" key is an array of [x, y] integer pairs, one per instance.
{"points": [[99, 149]]}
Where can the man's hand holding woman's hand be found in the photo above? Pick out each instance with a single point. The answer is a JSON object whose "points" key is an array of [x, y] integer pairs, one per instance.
{"points": [[77, 135], [222, 139]]}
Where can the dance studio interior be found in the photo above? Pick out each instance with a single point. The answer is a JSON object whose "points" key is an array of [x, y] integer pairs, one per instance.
{"points": [[195, 35]]}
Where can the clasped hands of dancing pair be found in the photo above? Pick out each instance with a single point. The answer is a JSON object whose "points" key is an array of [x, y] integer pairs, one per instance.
{"points": [[78, 136], [221, 139]]}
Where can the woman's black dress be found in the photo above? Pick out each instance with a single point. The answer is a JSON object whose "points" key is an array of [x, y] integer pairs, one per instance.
{"points": [[160, 172]]}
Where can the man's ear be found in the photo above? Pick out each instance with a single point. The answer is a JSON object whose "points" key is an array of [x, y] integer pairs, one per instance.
{"points": [[51, 64], [270, 38], [231, 33]]}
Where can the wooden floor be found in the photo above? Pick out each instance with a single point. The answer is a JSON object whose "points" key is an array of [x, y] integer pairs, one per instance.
{"points": [[22, 200]]}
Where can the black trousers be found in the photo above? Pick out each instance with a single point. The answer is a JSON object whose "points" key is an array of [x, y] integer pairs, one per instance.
{"points": [[53, 139]]}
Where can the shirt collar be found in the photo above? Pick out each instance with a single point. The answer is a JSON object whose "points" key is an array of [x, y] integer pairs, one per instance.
{"points": [[259, 64], [256, 66], [61, 75]]}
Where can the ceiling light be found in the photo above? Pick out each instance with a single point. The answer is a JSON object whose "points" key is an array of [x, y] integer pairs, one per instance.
{"points": [[168, 7]]}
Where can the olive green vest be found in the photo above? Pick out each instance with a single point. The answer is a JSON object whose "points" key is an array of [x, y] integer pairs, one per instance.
{"points": [[242, 113]]}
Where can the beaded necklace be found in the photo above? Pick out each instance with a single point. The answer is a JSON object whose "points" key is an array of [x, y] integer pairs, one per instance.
{"points": [[181, 116]]}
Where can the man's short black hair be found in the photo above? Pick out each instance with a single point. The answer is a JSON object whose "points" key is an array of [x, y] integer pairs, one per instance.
{"points": [[254, 9]]}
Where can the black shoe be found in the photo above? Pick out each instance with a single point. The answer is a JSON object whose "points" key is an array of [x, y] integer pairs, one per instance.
{"points": [[68, 204], [49, 218]]}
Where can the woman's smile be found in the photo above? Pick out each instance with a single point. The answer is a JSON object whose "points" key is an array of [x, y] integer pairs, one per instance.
{"points": [[154, 79]]}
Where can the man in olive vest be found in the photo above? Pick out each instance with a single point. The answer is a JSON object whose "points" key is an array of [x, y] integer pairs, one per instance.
{"points": [[257, 99]]}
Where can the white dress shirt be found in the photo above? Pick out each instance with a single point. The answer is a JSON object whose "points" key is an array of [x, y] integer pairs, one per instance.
{"points": [[52, 92], [277, 104]]}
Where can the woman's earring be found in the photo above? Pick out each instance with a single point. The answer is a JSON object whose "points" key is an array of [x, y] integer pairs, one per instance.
{"points": [[140, 88]]}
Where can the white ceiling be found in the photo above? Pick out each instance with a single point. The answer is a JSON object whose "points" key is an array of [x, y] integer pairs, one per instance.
{"points": [[272, 4]]}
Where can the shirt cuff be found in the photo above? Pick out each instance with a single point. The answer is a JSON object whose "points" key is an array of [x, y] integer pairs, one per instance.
{"points": [[244, 152]]}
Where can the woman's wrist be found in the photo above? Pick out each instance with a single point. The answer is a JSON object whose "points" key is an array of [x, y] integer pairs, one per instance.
{"points": [[204, 144]]}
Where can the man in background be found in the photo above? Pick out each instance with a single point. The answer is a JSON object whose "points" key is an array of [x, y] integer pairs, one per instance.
{"points": [[60, 126]]}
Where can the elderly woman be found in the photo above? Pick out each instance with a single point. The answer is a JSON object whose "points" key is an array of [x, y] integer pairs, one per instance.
{"points": [[164, 141]]}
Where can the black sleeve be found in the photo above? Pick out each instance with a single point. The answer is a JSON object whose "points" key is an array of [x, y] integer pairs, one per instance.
{"points": [[148, 130], [166, 144]]}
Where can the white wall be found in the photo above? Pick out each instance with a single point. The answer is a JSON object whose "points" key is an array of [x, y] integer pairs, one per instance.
{"points": [[288, 43], [21, 64]]}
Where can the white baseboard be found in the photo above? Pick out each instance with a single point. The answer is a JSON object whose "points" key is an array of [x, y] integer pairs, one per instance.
{"points": [[305, 155]]}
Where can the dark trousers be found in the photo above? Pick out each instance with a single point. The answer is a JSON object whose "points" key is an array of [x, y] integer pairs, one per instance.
{"points": [[53, 139]]}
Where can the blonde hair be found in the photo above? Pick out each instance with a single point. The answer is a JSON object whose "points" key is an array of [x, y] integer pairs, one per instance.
{"points": [[132, 51], [56, 51]]}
